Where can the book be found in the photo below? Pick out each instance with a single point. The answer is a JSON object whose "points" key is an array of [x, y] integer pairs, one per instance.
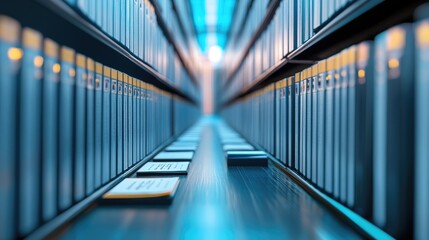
{"points": [[142, 191], [114, 158], [421, 209], [90, 126], [174, 156], [105, 164], [164, 168], [364, 128], [10, 62], [66, 127], [80, 128], [51, 69], [120, 122], [98, 124]]}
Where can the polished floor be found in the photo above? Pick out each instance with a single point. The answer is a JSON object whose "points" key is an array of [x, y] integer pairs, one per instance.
{"points": [[216, 202]]}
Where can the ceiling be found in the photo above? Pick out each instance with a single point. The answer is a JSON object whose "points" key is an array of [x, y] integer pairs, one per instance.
{"points": [[212, 20]]}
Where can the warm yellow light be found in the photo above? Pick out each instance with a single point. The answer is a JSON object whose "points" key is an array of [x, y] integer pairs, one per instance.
{"points": [[56, 68], [38, 61], [14, 54], [361, 73], [393, 63]]}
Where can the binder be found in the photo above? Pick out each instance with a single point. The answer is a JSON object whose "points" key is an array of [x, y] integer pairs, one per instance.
{"points": [[120, 136], [308, 122], [67, 82], [303, 118], [364, 128], [421, 214], [314, 123], [106, 123], [114, 158], [138, 121], [337, 127], [350, 64], [290, 121], [10, 61], [393, 145], [297, 122], [283, 122], [141, 30], [126, 126], [51, 69], [134, 112], [277, 121], [130, 121], [90, 126], [344, 131], [98, 124], [322, 107], [144, 121], [80, 128]]}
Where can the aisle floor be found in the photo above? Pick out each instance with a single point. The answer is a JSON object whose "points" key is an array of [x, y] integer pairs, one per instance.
{"points": [[217, 202]]}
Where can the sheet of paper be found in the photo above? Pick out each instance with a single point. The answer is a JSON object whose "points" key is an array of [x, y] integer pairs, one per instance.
{"points": [[144, 187], [164, 167]]}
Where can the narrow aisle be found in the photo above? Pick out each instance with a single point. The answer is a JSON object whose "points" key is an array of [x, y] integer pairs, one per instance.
{"points": [[216, 202]]}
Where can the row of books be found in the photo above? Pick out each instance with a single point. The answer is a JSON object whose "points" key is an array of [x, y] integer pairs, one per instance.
{"points": [[356, 126], [68, 126], [294, 23], [133, 24]]}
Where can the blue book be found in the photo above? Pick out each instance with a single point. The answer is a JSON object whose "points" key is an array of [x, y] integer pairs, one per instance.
{"points": [[344, 131], [421, 211], [80, 130], [10, 61], [120, 135], [51, 70], [139, 123], [297, 122], [90, 126], [364, 129], [394, 134], [337, 128], [351, 126], [324, 107], [66, 127], [30, 130], [125, 123], [314, 122], [130, 122], [134, 111], [283, 122], [114, 124], [277, 120], [308, 120], [303, 107], [290, 121], [105, 161], [98, 123], [144, 121]]}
